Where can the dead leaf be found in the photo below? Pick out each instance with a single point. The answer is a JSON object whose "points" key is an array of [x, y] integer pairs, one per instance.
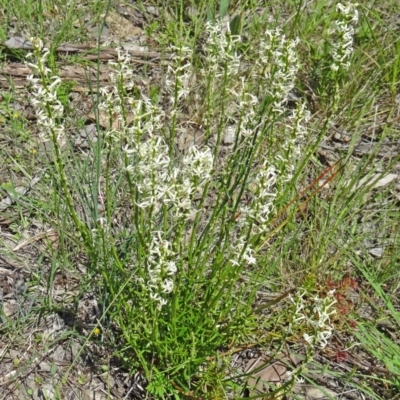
{"points": [[104, 120], [376, 251], [190, 134], [17, 42], [385, 180], [17, 192], [121, 27], [311, 392], [96, 31], [129, 46], [271, 372], [129, 12], [374, 181]]}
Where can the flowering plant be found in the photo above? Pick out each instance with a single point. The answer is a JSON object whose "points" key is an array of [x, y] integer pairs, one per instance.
{"points": [[194, 220]]}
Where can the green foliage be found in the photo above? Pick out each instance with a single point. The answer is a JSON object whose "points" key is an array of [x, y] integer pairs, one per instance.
{"points": [[236, 25], [223, 8], [311, 241], [64, 91]]}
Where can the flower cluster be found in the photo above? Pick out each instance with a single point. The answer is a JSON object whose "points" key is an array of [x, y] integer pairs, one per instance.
{"points": [[178, 77], [158, 182], [159, 179], [294, 130], [116, 101], [122, 71], [220, 50], [265, 182], [242, 250], [160, 269], [279, 65], [243, 111], [273, 77], [342, 34], [273, 169], [263, 193], [44, 98], [315, 314], [221, 69]]}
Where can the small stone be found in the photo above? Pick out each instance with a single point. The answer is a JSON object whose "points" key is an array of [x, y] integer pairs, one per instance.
{"points": [[153, 10], [45, 367], [192, 11], [229, 135], [10, 308]]}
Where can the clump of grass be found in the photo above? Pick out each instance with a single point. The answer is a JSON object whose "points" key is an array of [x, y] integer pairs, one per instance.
{"points": [[179, 273]]}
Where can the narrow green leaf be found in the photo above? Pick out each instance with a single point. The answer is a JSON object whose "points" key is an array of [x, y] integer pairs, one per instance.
{"points": [[223, 8], [236, 25], [210, 15]]}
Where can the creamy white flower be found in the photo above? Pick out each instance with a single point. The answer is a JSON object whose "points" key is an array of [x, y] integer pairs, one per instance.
{"points": [[314, 314], [279, 63], [349, 11], [342, 35], [44, 89], [308, 338], [167, 285], [177, 78], [220, 49], [240, 250], [160, 269]]}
